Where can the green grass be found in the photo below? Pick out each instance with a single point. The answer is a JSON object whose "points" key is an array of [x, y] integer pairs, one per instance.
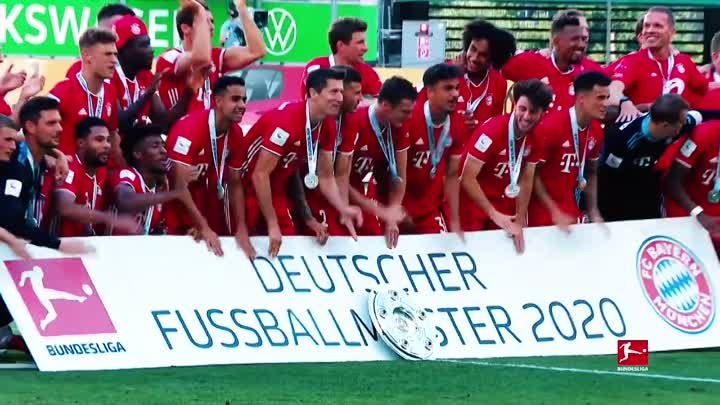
{"points": [[375, 383]]}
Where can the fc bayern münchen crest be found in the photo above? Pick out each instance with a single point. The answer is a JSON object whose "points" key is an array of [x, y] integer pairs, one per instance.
{"points": [[676, 284], [403, 326]]}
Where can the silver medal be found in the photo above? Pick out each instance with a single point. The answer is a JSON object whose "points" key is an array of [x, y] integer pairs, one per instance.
{"points": [[582, 183], [311, 181], [512, 191], [220, 191], [714, 196]]}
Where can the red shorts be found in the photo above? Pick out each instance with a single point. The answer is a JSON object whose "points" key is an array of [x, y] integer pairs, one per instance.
{"points": [[427, 224], [473, 218], [255, 221]]}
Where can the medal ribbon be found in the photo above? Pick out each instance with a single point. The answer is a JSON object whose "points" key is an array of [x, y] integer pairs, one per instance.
{"points": [[97, 111], [514, 162], [671, 65], [436, 152], [388, 149], [312, 150], [219, 170], [149, 214], [472, 105], [124, 80]]}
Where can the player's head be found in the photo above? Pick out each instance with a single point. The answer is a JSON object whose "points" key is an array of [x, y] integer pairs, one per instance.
{"points": [[352, 87], [572, 12], [133, 42], [567, 39], [230, 97], [144, 149], [715, 51], [531, 98], [639, 31], [184, 21], [396, 99], [109, 13], [592, 93], [658, 27], [8, 138], [98, 51], [41, 122], [92, 139], [442, 82], [667, 115], [347, 39], [325, 90], [485, 45]]}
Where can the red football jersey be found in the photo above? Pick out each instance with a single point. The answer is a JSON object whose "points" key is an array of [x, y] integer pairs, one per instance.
{"points": [[87, 190], [532, 65], [5, 108], [489, 144], [560, 163], [189, 144], [172, 87], [645, 78], [74, 106], [128, 91], [424, 193], [711, 100], [700, 153], [74, 69], [130, 177], [370, 80]]}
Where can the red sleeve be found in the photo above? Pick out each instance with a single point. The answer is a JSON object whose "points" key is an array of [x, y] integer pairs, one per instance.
{"points": [[597, 136], [5, 107], [695, 146], [312, 65], [217, 55], [124, 177], [72, 181], [697, 81], [73, 69], [624, 72], [277, 138], [501, 93], [168, 60], [401, 137], [537, 144], [458, 132], [349, 133], [182, 146], [370, 81], [486, 142], [237, 150], [328, 133], [519, 67], [58, 92]]}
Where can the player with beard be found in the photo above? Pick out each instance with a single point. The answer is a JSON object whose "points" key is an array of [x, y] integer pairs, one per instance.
{"points": [[495, 188], [141, 188], [296, 133], [437, 138], [76, 203], [347, 44], [566, 61], [317, 207], [655, 70], [205, 141], [194, 24], [134, 82], [571, 142], [87, 94]]}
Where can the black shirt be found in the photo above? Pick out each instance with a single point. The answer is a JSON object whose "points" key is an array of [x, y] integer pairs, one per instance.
{"points": [[20, 182]]}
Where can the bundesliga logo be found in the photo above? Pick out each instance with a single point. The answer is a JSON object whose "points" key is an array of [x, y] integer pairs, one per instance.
{"points": [[632, 355], [676, 284]]}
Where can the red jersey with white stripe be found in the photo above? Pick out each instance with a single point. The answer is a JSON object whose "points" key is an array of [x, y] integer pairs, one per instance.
{"points": [[533, 65], [131, 178], [189, 144], [700, 154], [86, 190], [560, 163], [75, 105], [173, 86], [370, 80], [645, 78], [424, 192]]}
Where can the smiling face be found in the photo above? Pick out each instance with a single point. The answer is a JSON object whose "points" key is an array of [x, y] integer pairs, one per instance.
{"points": [[657, 30]]}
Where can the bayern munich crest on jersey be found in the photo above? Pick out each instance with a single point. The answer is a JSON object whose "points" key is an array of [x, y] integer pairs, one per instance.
{"points": [[676, 284]]}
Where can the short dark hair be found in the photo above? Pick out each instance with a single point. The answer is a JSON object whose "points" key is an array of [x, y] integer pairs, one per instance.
{"points": [[715, 43], [132, 137], [664, 10], [570, 12], [587, 81], [562, 21], [7, 122], [536, 91], [502, 43], [343, 30], [114, 9], [34, 107], [440, 72], [85, 126], [226, 81], [318, 78], [668, 108], [639, 25], [351, 75], [96, 36], [186, 16], [396, 89]]}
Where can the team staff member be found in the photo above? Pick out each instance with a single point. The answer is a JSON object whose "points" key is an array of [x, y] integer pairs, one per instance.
{"points": [[437, 138], [693, 184], [628, 182], [348, 46], [571, 142], [495, 188]]}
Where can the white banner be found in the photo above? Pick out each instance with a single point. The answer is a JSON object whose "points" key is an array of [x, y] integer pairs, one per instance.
{"points": [[166, 301]]}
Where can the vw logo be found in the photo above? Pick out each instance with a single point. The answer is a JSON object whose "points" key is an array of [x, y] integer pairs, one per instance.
{"points": [[281, 32]]}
